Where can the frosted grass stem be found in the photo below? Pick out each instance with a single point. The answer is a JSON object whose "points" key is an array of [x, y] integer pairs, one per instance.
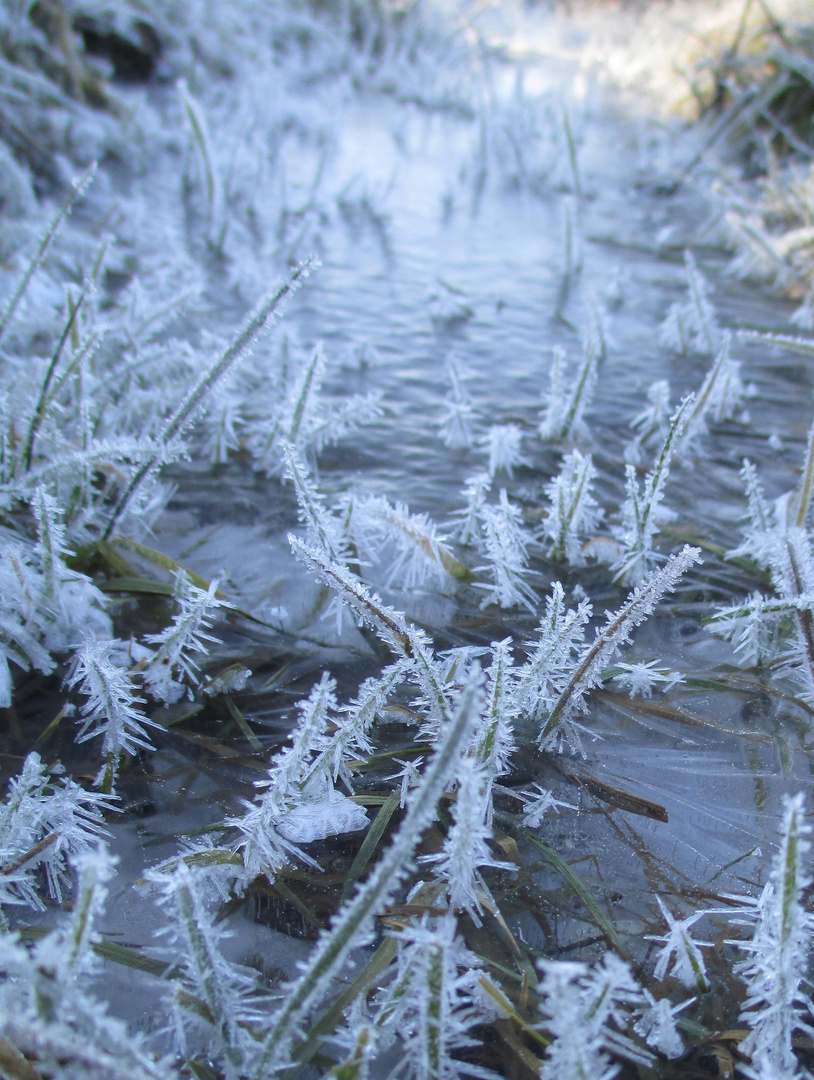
{"points": [[641, 603], [39, 410], [806, 485], [208, 379], [389, 624], [76, 190], [333, 947]]}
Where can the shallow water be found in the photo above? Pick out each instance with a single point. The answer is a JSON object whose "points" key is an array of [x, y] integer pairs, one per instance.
{"points": [[420, 205]]}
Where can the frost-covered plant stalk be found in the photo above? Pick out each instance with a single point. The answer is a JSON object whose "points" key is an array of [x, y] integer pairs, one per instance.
{"points": [[459, 414], [466, 845], [352, 921], [642, 512], [430, 1003], [720, 396], [418, 552], [211, 994], [573, 511], [567, 400], [299, 803], [195, 397], [776, 966], [653, 422], [777, 539], [690, 325], [391, 626], [50, 1023], [502, 441], [184, 639], [562, 706], [585, 1011], [44, 823], [688, 967], [112, 706], [506, 541]]}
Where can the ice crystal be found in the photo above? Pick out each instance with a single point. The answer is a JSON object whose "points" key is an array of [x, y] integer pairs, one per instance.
{"points": [[776, 538], [353, 920], [657, 1025], [640, 678], [537, 803]]}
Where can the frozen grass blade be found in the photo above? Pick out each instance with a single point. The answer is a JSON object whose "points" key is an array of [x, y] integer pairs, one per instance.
{"points": [[587, 673], [389, 624], [352, 920], [79, 186], [225, 362]]}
